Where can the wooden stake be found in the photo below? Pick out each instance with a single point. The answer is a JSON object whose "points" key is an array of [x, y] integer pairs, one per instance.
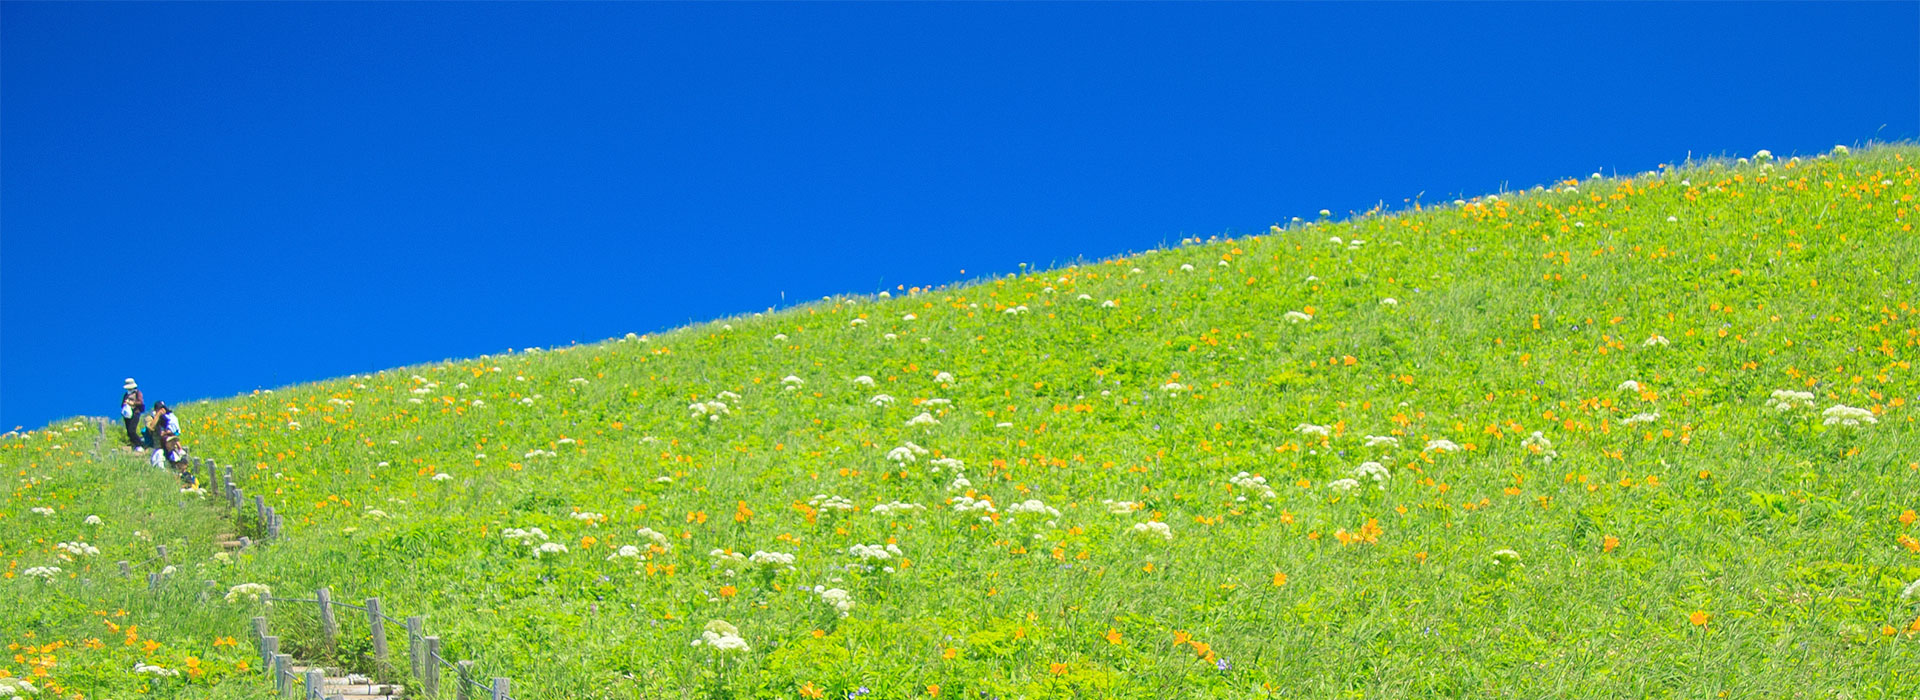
{"points": [[379, 627], [329, 626], [432, 680]]}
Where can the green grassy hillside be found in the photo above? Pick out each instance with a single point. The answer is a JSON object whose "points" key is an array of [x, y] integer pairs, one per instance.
{"points": [[1650, 436]]}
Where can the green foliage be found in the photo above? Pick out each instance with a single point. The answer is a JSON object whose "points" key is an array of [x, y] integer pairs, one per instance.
{"points": [[1587, 375]]}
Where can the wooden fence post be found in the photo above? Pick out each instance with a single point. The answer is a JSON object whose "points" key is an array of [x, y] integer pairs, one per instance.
{"points": [[153, 581], [460, 692], [260, 508], [329, 626], [315, 681], [282, 674], [500, 689], [162, 551], [213, 475], [269, 650], [432, 680], [378, 625], [260, 632], [126, 569], [414, 625]]}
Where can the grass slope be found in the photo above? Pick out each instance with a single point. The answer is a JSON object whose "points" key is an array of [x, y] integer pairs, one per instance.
{"points": [[1567, 476]]}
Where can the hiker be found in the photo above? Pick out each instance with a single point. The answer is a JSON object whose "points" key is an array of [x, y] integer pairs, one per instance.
{"points": [[132, 405], [158, 457], [160, 425], [178, 459]]}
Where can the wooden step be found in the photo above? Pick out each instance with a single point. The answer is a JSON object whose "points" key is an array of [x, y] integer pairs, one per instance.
{"points": [[360, 690]]}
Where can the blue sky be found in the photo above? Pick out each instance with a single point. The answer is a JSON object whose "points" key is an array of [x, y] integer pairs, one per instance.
{"points": [[221, 197]]}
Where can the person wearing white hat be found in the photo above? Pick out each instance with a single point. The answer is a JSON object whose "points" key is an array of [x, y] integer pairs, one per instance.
{"points": [[132, 404]]}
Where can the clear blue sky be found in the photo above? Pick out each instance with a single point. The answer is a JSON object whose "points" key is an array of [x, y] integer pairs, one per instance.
{"points": [[221, 197]]}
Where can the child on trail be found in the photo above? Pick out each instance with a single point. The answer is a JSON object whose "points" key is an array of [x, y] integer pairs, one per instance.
{"points": [[132, 405], [177, 457]]}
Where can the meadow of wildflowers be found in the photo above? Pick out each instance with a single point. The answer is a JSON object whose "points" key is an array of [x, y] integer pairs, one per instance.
{"points": [[1647, 436]]}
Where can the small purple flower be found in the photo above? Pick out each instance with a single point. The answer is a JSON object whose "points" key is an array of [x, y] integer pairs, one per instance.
{"points": [[1223, 664]]}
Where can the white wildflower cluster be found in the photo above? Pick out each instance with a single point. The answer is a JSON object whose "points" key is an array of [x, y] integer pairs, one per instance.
{"points": [[140, 667], [251, 592], [1311, 429], [11, 686], [943, 378], [711, 410], [874, 551], [1787, 399], [93, 520], [827, 502], [546, 548], [881, 400], [1343, 485], [376, 514], [946, 463], [727, 557], [1034, 506], [588, 516], [1538, 444], [1016, 310], [654, 537], [1152, 529], [1506, 557], [924, 418], [863, 380], [1656, 339], [836, 597], [1252, 482], [625, 552], [897, 508], [773, 559], [907, 453], [526, 536], [792, 383], [1374, 471], [539, 453], [1442, 445], [1912, 590], [41, 510], [442, 476], [1629, 385], [1298, 317], [722, 637], [45, 572], [967, 504], [1382, 440], [1638, 418], [1122, 507], [1841, 414], [79, 549]]}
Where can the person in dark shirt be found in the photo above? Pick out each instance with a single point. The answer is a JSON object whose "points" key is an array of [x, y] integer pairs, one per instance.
{"points": [[132, 404]]}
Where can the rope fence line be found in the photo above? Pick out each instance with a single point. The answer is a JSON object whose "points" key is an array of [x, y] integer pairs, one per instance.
{"points": [[423, 650]]}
